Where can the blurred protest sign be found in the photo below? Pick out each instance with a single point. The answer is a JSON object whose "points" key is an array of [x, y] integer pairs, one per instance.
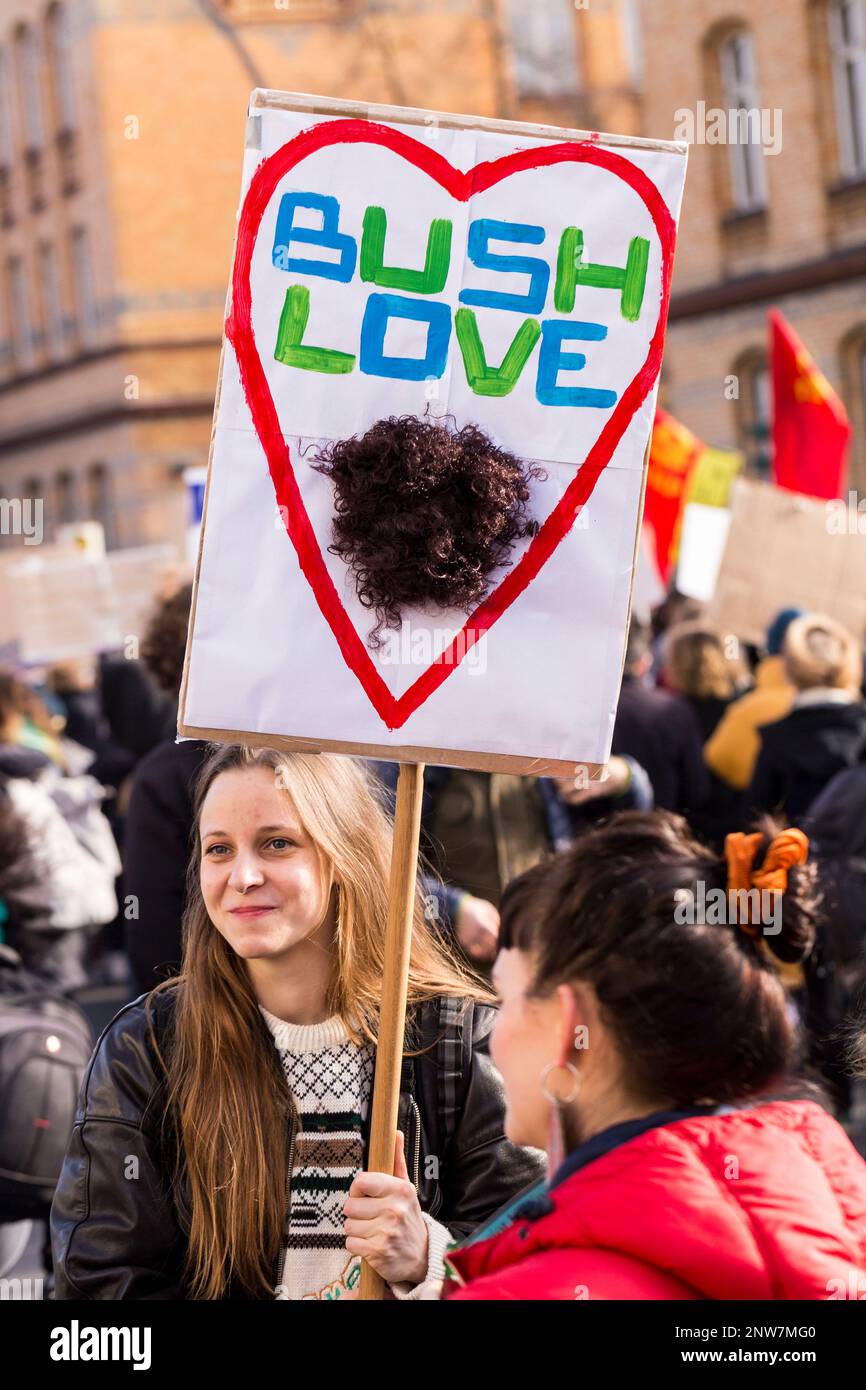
{"points": [[342, 206], [703, 537], [713, 477], [786, 550], [86, 536], [705, 523], [61, 602]]}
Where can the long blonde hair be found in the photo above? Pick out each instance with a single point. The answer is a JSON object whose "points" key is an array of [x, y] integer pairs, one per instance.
{"points": [[227, 1098], [697, 664]]}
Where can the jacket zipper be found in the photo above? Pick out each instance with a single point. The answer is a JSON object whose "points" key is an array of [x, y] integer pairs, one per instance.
{"points": [[414, 1105], [416, 1175], [284, 1245]]}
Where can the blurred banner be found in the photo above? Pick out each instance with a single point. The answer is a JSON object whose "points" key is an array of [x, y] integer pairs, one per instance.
{"points": [[712, 478], [786, 550], [86, 536], [64, 602], [705, 523], [703, 538]]}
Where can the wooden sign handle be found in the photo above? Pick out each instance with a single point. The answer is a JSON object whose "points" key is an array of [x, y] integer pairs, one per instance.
{"points": [[398, 940]]}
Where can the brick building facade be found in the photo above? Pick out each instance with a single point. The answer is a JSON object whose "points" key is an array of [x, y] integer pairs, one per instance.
{"points": [[121, 134], [761, 229]]}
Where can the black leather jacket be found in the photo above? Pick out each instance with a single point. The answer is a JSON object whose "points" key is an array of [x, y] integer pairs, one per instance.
{"points": [[117, 1231]]}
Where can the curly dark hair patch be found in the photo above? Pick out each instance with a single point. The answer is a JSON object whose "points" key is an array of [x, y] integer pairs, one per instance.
{"points": [[424, 513]]}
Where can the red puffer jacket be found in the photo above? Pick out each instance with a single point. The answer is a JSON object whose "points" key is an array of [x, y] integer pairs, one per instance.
{"points": [[764, 1203]]}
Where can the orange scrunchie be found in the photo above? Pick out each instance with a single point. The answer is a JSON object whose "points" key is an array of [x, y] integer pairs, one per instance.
{"points": [[787, 849]]}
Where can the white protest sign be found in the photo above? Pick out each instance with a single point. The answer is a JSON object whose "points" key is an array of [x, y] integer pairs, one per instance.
{"points": [[702, 545], [68, 603], [788, 550], [399, 263]]}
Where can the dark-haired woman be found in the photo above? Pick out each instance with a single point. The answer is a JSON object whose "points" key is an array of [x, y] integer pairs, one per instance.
{"points": [[645, 1040], [220, 1141]]}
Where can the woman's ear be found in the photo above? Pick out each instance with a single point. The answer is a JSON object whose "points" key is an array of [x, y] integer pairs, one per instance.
{"points": [[577, 1017], [586, 1017], [567, 1024]]}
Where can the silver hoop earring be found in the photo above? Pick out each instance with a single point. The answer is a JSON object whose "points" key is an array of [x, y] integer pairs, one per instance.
{"points": [[575, 1075]]}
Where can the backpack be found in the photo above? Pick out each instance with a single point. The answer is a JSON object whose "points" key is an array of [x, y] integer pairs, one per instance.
{"points": [[45, 1045]]}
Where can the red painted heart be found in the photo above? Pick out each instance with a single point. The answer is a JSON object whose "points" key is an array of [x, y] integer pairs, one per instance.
{"points": [[394, 710]]}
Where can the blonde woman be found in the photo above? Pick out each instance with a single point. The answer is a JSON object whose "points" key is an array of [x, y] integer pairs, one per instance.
{"points": [[698, 668], [240, 1092], [703, 673]]}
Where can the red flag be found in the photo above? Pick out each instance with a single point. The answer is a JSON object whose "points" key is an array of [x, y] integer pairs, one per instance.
{"points": [[673, 454], [810, 427]]}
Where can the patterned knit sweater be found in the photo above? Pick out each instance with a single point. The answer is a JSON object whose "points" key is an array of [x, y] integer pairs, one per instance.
{"points": [[331, 1079]]}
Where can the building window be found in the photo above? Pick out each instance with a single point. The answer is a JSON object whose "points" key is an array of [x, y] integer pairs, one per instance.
{"points": [[52, 308], [35, 180], [861, 374], [99, 500], [65, 498], [59, 46], [6, 352], [543, 43], [19, 309], [848, 48], [67, 153], [857, 397], [85, 299], [852, 374], [29, 74], [631, 25], [754, 413], [740, 94], [29, 87], [6, 144], [7, 215]]}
